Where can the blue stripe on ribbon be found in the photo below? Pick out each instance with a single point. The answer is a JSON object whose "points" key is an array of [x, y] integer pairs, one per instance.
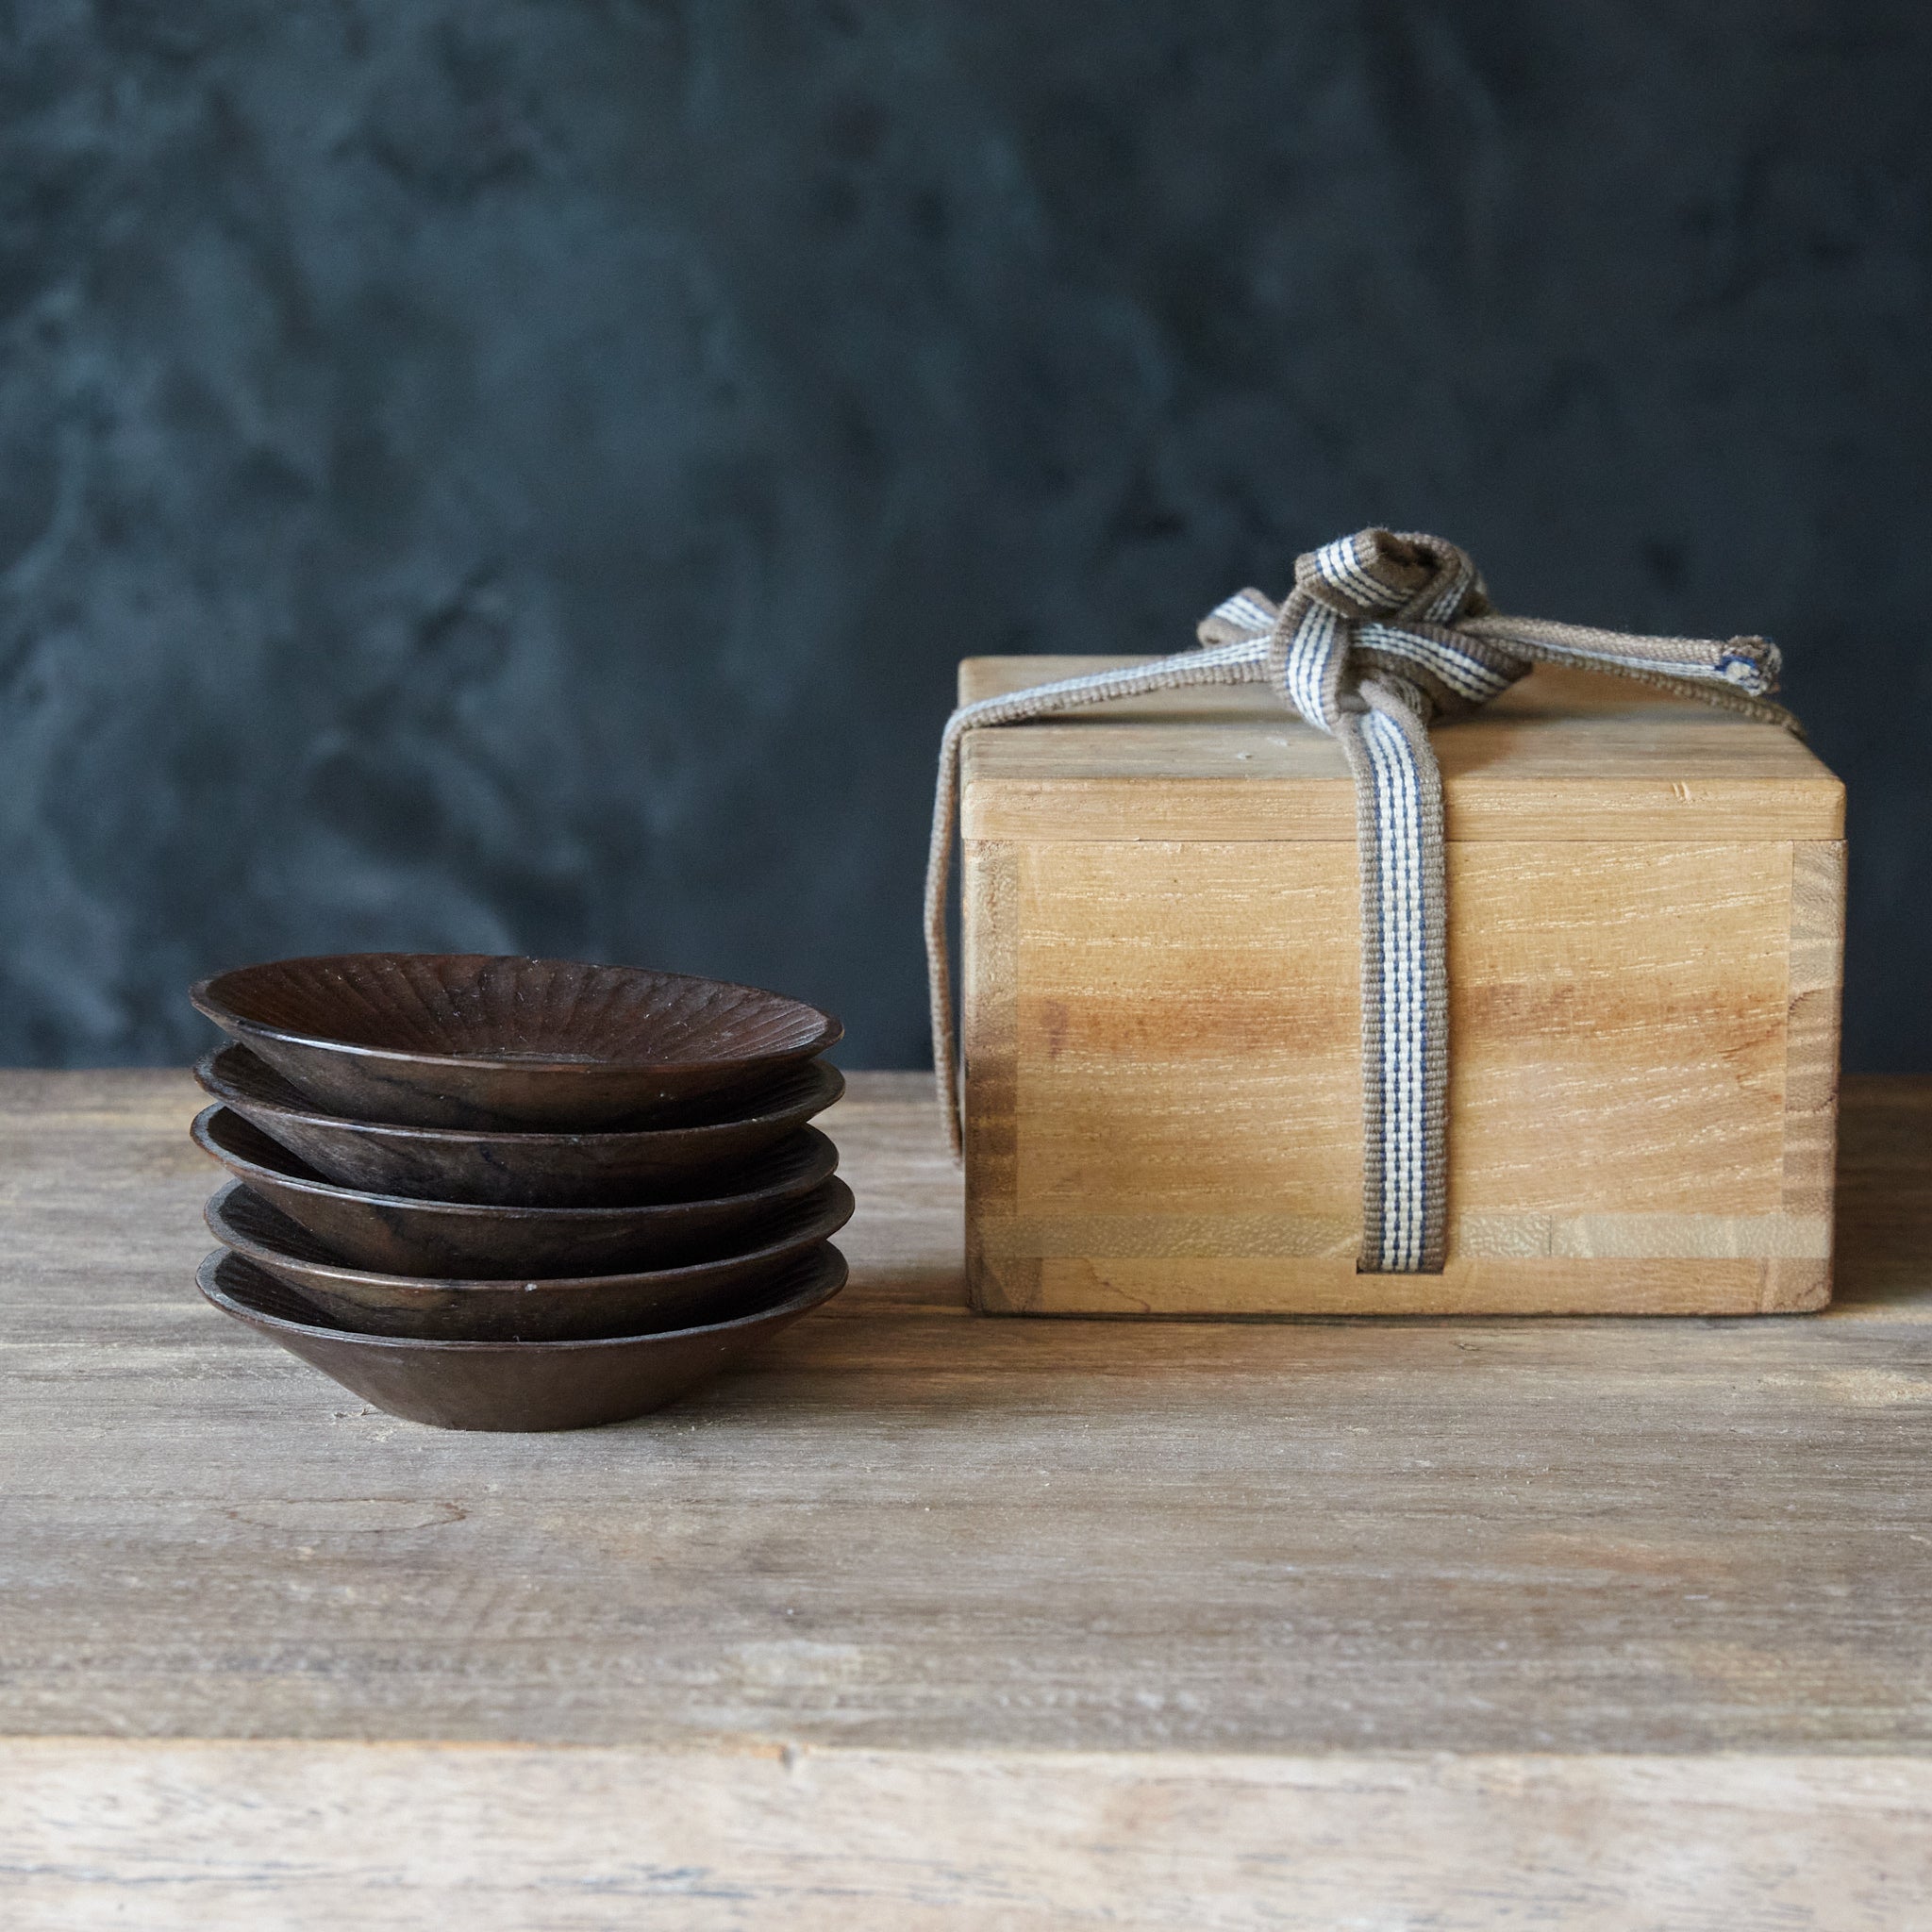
{"points": [[1403, 1004]]}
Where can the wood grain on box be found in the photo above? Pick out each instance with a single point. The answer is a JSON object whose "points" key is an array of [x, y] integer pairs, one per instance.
{"points": [[1645, 943]]}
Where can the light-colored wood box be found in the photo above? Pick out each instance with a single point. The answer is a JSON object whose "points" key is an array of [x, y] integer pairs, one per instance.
{"points": [[1161, 1008]]}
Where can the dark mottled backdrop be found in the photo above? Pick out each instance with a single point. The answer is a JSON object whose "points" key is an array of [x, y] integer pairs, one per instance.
{"points": [[518, 475]]}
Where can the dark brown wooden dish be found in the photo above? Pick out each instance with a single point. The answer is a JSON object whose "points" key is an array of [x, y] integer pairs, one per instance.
{"points": [[467, 1239], [525, 1170], [476, 1040], [514, 1385], [583, 1308]]}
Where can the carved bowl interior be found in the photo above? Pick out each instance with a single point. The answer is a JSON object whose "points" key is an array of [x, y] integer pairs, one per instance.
{"points": [[477, 1039]]}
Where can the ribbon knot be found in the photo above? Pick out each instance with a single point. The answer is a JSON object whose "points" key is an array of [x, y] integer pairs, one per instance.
{"points": [[1376, 606], [1406, 618], [1382, 633]]}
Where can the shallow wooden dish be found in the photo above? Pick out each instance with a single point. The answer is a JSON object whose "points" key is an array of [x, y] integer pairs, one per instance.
{"points": [[580, 1309], [468, 1240], [525, 1170], [477, 1039], [514, 1385]]}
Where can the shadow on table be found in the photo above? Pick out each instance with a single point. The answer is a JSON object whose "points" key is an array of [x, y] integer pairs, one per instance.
{"points": [[1884, 1236]]}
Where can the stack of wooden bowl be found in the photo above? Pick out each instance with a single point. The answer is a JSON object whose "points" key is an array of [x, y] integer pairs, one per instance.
{"points": [[505, 1194]]}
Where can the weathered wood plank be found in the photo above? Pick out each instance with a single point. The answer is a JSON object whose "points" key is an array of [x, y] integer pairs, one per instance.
{"points": [[915, 1528], [930, 1619], [237, 1837]]}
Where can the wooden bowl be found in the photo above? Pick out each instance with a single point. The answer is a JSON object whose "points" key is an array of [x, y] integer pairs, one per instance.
{"points": [[467, 1239], [474, 1039], [514, 1385], [527, 1170], [585, 1309]]}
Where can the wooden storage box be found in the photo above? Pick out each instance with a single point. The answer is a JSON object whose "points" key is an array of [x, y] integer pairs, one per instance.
{"points": [[1161, 1008]]}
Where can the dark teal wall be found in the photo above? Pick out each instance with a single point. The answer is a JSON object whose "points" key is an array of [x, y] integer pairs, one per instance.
{"points": [[509, 476]]}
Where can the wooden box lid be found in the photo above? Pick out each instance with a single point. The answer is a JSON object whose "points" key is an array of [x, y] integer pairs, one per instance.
{"points": [[1563, 755]]}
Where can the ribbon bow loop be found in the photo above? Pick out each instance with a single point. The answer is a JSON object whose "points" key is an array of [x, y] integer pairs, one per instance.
{"points": [[1381, 573]]}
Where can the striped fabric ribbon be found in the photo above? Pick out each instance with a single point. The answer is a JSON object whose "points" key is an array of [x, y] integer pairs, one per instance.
{"points": [[1381, 635]]}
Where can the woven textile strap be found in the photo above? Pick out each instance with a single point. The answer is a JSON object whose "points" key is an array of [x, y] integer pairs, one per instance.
{"points": [[1382, 634]]}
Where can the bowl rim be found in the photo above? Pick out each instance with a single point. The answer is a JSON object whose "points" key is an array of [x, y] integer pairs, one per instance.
{"points": [[225, 1092], [202, 1128], [207, 1002], [831, 1272], [840, 1201]]}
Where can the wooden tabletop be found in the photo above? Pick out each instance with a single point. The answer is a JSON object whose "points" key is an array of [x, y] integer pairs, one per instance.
{"points": [[928, 1619]]}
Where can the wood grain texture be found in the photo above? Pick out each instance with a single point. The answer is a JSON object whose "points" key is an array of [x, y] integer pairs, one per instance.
{"points": [[926, 1614], [1605, 759], [1643, 1012], [1175, 1115], [312, 1838], [1811, 1063], [988, 1037]]}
